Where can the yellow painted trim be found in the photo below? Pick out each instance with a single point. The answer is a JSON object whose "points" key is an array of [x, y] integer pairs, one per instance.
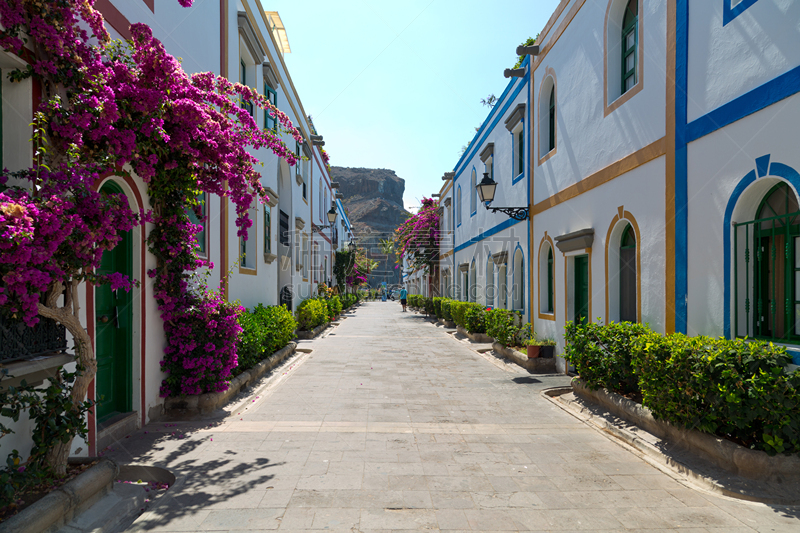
{"points": [[544, 50], [445, 188], [553, 18], [619, 217], [614, 170], [447, 254], [549, 72], [531, 270], [552, 315], [608, 108], [669, 189]]}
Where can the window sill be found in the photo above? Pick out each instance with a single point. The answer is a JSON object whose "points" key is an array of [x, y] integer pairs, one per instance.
{"points": [[269, 258], [35, 371], [547, 316]]}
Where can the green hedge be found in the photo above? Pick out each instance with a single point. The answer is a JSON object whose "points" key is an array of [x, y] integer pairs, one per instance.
{"points": [[726, 387], [311, 313], [265, 330], [334, 306], [501, 324], [349, 300], [731, 388], [602, 354]]}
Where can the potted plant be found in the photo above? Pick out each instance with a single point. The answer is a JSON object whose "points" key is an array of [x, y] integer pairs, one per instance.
{"points": [[543, 348]]}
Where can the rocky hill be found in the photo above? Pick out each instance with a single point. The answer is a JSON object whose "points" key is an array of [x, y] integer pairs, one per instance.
{"points": [[373, 198]]}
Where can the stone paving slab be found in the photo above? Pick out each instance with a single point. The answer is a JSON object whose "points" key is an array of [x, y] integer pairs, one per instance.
{"points": [[391, 424]]}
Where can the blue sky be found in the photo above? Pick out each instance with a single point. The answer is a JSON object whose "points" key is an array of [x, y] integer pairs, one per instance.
{"points": [[398, 85]]}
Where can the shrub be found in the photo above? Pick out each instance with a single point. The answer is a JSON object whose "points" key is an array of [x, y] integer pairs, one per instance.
{"points": [[602, 354], [348, 300], [334, 306], [500, 324], [475, 318], [730, 388], [311, 313], [457, 309], [445, 306], [265, 330]]}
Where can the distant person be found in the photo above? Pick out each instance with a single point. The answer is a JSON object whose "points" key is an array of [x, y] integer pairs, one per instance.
{"points": [[403, 298]]}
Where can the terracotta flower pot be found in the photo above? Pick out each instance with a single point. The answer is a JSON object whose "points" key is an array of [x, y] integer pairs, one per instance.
{"points": [[545, 352]]}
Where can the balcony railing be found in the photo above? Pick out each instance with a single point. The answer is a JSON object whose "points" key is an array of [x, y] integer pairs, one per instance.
{"points": [[20, 341]]}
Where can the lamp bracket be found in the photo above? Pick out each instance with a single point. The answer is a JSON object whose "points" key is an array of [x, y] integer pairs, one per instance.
{"points": [[318, 229], [517, 213]]}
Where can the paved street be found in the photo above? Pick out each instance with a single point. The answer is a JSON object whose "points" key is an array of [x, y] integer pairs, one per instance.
{"points": [[390, 424]]}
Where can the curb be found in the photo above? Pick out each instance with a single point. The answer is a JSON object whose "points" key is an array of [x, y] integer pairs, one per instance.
{"points": [[204, 404], [481, 338], [537, 365], [66, 502], [308, 335], [707, 477]]}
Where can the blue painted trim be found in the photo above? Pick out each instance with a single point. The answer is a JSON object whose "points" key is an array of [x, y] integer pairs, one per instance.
{"points": [[795, 356], [762, 165], [726, 247], [681, 166], [494, 116], [775, 169], [513, 270], [759, 98], [729, 13], [488, 233]]}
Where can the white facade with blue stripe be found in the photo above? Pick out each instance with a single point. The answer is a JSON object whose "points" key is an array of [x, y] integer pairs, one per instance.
{"points": [[670, 138]]}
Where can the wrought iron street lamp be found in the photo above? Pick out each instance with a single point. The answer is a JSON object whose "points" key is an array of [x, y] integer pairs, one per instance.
{"points": [[486, 189]]}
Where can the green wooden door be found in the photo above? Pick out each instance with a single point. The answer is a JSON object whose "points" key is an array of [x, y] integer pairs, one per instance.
{"points": [[114, 319], [581, 289]]}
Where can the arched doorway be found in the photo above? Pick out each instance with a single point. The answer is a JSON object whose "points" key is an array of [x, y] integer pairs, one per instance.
{"points": [[777, 265], [114, 330]]}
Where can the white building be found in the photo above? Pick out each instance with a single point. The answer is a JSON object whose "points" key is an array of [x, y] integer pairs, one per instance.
{"points": [[238, 40], [664, 137], [484, 253]]}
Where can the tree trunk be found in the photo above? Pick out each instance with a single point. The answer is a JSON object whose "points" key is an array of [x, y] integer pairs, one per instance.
{"points": [[68, 315]]}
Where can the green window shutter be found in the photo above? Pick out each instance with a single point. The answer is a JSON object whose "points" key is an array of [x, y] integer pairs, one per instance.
{"points": [[267, 229], [549, 280], [552, 116], [200, 221], [627, 276], [270, 122], [630, 37]]}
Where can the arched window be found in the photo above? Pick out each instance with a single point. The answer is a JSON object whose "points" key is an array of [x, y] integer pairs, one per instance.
{"points": [[489, 283], [551, 143], [550, 280], [776, 247], [630, 40], [473, 197], [473, 292], [548, 116], [627, 276], [518, 300], [458, 205]]}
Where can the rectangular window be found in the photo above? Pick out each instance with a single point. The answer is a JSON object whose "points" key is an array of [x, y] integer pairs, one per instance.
{"points": [[629, 37], [520, 151], [197, 216], [246, 104], [270, 122], [284, 228], [267, 229], [249, 260]]}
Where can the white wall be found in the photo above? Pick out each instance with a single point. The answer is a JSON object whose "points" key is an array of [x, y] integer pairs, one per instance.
{"points": [[586, 140], [728, 61], [717, 162]]}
